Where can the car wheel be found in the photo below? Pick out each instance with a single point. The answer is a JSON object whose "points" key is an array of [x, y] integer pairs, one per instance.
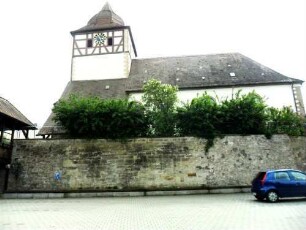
{"points": [[272, 196], [260, 198]]}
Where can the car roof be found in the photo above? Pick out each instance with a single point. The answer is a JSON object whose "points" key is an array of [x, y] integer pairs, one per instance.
{"points": [[282, 170]]}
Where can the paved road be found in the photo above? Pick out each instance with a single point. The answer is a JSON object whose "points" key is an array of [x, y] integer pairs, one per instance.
{"points": [[208, 212]]}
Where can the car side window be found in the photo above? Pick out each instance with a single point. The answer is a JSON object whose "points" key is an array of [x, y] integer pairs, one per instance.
{"points": [[281, 176], [298, 176]]}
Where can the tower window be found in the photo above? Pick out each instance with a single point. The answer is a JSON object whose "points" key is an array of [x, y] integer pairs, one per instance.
{"points": [[110, 41], [89, 43]]}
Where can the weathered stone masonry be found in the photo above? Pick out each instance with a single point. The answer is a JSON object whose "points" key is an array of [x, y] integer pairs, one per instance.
{"points": [[151, 164]]}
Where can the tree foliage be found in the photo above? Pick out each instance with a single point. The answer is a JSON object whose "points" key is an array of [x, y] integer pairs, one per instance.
{"points": [[95, 117], [243, 114], [159, 100], [285, 121], [240, 115], [199, 118]]}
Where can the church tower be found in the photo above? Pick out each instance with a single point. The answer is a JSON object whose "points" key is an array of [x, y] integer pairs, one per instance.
{"points": [[103, 49]]}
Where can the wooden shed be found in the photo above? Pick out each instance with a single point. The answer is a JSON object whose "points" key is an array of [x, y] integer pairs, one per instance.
{"points": [[11, 120]]}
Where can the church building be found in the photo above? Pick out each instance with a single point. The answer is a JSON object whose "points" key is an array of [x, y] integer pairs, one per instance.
{"points": [[105, 64]]}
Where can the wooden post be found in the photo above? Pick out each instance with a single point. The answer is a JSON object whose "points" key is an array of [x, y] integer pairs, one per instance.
{"points": [[1, 134], [12, 137]]}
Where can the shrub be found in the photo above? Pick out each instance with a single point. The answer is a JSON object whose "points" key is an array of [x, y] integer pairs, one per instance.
{"points": [[98, 118], [199, 118], [239, 115], [243, 114], [284, 121]]}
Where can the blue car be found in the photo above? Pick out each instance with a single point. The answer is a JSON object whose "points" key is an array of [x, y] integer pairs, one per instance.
{"points": [[275, 184]]}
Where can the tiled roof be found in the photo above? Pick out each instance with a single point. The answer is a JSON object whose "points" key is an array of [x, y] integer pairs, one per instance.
{"points": [[204, 71], [187, 72], [106, 18], [114, 88], [7, 109]]}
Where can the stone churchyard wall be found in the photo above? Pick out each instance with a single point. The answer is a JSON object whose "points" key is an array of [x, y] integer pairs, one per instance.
{"points": [[75, 165]]}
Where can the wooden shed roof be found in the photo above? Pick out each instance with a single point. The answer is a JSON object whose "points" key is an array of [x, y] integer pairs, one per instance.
{"points": [[10, 112]]}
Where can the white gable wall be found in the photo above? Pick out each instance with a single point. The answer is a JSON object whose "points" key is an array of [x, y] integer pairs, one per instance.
{"points": [[276, 96]]}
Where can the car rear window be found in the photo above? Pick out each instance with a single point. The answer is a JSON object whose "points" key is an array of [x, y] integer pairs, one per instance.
{"points": [[260, 175]]}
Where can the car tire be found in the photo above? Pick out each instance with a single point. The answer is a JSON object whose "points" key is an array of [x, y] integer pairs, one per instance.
{"points": [[272, 196]]}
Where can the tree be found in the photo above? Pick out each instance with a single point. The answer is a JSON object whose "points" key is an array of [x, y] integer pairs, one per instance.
{"points": [[159, 100]]}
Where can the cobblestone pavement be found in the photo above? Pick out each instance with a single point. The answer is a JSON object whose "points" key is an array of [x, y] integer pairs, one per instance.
{"points": [[208, 212]]}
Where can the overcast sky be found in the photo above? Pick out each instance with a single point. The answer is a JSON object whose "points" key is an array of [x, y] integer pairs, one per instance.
{"points": [[36, 43]]}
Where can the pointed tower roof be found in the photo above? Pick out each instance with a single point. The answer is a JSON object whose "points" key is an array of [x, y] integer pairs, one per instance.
{"points": [[106, 18]]}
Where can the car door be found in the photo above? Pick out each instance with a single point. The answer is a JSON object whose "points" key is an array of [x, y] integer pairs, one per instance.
{"points": [[284, 184], [300, 183]]}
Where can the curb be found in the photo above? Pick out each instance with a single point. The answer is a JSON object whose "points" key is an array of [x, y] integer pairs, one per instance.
{"points": [[121, 194]]}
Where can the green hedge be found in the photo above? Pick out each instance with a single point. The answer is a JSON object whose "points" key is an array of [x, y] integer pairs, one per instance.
{"points": [[94, 117], [243, 114], [204, 116], [199, 118], [285, 121]]}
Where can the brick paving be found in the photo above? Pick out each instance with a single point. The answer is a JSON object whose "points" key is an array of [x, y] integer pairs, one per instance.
{"points": [[208, 212]]}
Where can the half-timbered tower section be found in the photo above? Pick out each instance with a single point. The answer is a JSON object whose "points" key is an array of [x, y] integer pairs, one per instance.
{"points": [[103, 49]]}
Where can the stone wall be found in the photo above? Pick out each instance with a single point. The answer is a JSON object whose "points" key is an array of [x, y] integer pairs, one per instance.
{"points": [[150, 164]]}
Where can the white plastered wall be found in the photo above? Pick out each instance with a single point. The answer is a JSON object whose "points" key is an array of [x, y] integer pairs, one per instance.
{"points": [[276, 96], [98, 67]]}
